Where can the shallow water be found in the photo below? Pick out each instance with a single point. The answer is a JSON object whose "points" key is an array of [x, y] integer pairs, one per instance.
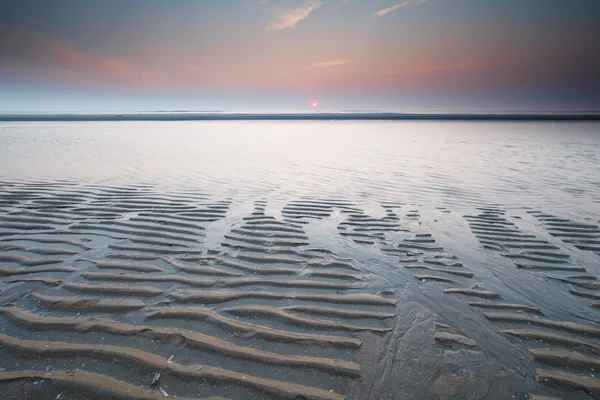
{"points": [[319, 260], [449, 163]]}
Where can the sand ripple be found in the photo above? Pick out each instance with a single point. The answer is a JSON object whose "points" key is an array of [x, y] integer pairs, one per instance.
{"points": [[132, 291]]}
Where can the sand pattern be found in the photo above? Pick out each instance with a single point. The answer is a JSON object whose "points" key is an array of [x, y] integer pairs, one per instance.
{"points": [[133, 292], [571, 348], [132, 264]]}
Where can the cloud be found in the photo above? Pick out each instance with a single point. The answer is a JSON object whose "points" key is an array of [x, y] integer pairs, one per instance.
{"points": [[8, 37], [393, 8], [441, 68], [331, 63], [288, 17], [195, 67], [35, 55], [339, 5]]}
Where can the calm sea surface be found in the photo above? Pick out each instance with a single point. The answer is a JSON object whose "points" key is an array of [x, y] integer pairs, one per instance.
{"points": [[550, 165]]}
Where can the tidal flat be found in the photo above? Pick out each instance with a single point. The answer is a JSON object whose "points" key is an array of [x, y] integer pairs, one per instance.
{"points": [[300, 259]]}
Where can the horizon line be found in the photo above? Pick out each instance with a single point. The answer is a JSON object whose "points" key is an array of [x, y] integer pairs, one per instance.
{"points": [[296, 116]]}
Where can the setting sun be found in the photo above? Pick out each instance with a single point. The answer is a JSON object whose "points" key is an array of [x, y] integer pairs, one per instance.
{"points": [[314, 104]]}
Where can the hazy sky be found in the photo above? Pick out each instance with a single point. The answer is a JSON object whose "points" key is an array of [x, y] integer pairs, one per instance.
{"points": [[405, 55]]}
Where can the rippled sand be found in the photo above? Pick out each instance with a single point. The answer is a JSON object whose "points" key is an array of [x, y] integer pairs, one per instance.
{"points": [[145, 290]]}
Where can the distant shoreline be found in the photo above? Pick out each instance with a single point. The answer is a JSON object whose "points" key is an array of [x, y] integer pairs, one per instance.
{"points": [[15, 117]]}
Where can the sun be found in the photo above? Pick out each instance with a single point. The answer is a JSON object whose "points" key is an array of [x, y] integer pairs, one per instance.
{"points": [[314, 104]]}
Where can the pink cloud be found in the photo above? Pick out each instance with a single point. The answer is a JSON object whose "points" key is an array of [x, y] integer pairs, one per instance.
{"points": [[8, 37], [398, 6], [35, 55], [443, 68], [195, 68], [288, 17], [423, 76]]}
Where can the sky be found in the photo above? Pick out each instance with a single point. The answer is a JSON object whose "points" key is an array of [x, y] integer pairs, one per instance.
{"points": [[299, 55]]}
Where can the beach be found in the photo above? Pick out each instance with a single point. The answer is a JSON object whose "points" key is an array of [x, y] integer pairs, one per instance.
{"points": [[300, 259]]}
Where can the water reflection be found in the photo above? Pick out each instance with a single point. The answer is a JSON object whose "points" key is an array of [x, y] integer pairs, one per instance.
{"points": [[441, 163]]}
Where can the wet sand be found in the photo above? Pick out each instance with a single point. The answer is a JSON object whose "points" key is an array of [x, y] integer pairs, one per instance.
{"points": [[136, 292]]}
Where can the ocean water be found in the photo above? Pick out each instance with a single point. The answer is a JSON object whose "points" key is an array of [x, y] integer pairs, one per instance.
{"points": [[300, 260], [430, 163]]}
